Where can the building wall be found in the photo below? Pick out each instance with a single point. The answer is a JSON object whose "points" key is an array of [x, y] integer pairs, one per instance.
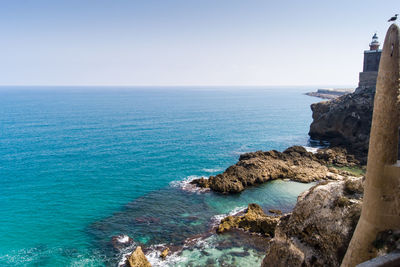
{"points": [[368, 79], [371, 60]]}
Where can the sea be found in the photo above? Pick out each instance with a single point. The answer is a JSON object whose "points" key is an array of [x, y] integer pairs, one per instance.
{"points": [[85, 169]]}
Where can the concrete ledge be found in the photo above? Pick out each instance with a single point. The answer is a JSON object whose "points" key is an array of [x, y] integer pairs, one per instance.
{"points": [[389, 260]]}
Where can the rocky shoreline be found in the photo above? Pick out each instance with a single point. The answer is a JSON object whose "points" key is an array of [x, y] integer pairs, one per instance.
{"points": [[320, 227], [330, 209], [295, 163], [318, 230]]}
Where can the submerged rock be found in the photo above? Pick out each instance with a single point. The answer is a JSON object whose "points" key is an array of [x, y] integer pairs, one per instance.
{"points": [[254, 220], [138, 259], [320, 227], [295, 163]]}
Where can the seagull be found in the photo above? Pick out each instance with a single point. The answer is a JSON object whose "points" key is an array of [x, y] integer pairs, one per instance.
{"points": [[393, 18]]}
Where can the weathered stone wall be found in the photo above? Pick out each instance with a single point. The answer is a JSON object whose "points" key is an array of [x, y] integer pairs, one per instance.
{"points": [[367, 79], [371, 60]]}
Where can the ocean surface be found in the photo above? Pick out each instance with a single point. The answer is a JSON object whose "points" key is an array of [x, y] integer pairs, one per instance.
{"points": [[79, 165]]}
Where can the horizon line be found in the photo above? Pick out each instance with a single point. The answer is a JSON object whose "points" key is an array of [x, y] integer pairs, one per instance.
{"points": [[168, 85]]}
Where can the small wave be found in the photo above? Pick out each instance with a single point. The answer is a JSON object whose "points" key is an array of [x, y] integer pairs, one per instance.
{"points": [[241, 150], [187, 186], [123, 239], [154, 256], [125, 253], [312, 149], [213, 170], [216, 219]]}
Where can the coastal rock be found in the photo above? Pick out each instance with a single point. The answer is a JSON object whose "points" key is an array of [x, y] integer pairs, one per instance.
{"points": [[165, 253], [254, 220], [337, 156], [295, 163], [278, 212], [320, 227], [345, 121], [138, 259]]}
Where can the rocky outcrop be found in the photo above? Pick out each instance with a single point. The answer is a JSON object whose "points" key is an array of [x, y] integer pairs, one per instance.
{"points": [[294, 163], [320, 227], [254, 220], [138, 259], [345, 121], [164, 253]]}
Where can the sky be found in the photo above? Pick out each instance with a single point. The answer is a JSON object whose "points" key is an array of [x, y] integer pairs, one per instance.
{"points": [[188, 42]]}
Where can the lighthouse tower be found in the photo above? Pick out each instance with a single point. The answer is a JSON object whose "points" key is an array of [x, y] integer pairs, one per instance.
{"points": [[374, 45], [372, 57]]}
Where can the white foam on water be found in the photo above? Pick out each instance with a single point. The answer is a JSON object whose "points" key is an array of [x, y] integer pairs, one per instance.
{"points": [[123, 239], [187, 186], [213, 170], [154, 256], [173, 259], [125, 253], [312, 149], [192, 252]]}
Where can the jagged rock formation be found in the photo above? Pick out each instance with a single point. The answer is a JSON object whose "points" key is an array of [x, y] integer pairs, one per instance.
{"points": [[345, 121], [320, 227], [294, 163], [138, 259], [254, 220]]}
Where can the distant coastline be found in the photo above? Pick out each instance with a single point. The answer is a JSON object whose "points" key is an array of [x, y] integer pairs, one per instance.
{"points": [[331, 93]]}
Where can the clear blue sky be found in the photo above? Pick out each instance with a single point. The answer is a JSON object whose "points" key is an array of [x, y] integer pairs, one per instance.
{"points": [[188, 42]]}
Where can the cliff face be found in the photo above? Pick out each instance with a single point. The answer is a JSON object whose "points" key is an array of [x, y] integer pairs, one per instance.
{"points": [[320, 227], [345, 121]]}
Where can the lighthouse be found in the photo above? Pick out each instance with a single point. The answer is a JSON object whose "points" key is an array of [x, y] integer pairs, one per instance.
{"points": [[374, 45], [372, 57]]}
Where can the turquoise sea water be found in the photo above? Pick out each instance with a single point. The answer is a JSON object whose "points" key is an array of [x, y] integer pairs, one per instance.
{"points": [[81, 164]]}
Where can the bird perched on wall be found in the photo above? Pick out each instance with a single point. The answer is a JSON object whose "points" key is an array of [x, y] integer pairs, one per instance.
{"points": [[393, 18]]}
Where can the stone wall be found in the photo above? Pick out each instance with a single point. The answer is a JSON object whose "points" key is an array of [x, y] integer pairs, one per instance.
{"points": [[371, 60]]}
